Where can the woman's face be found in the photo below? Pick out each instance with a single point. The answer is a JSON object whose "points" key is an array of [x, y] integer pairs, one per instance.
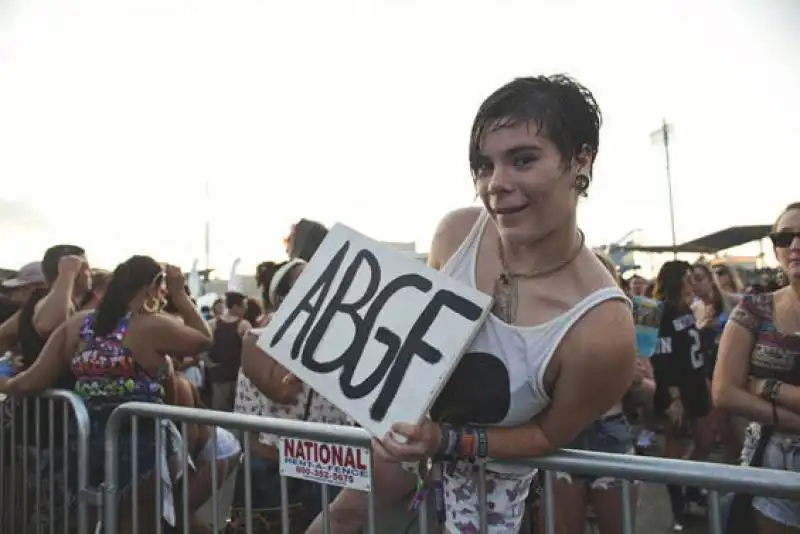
{"points": [[789, 256], [724, 280], [638, 286], [523, 183], [701, 283]]}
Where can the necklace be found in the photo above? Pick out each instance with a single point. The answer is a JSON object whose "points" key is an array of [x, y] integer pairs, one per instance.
{"points": [[506, 286]]}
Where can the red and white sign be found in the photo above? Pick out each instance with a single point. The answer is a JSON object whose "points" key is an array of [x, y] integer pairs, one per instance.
{"points": [[325, 463]]}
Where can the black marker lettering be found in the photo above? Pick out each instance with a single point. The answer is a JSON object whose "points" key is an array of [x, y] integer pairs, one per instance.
{"points": [[415, 345], [337, 305], [321, 286], [399, 353]]}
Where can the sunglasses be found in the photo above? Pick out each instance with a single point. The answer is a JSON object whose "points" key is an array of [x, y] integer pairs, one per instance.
{"points": [[784, 238]]}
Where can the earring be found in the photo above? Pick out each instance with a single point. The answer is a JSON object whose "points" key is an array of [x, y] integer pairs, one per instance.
{"points": [[151, 305], [582, 184]]}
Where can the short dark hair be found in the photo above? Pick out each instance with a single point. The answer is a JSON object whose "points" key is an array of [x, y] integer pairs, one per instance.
{"points": [[563, 110], [234, 298], [52, 257]]}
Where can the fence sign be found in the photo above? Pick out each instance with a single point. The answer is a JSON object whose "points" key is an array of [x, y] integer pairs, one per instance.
{"points": [[375, 331], [326, 463]]}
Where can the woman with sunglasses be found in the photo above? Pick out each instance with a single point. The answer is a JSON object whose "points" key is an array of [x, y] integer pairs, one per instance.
{"points": [[758, 375], [117, 355]]}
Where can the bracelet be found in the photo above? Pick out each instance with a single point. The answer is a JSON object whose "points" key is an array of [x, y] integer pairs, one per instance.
{"points": [[449, 443], [770, 389], [465, 443]]}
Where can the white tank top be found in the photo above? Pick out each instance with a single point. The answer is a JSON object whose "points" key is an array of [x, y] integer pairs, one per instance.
{"points": [[508, 362], [524, 351]]}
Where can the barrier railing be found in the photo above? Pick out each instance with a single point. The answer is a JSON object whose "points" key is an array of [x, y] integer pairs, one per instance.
{"points": [[244, 423], [714, 477], [58, 465]]}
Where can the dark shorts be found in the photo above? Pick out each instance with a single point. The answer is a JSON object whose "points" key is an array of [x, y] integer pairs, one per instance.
{"points": [[145, 453], [266, 489], [613, 435], [695, 397]]}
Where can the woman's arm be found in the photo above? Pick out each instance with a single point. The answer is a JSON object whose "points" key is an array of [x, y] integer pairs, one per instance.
{"points": [[57, 306], [787, 395], [592, 379], [191, 315], [50, 364], [8, 332], [267, 375], [729, 386], [168, 336]]}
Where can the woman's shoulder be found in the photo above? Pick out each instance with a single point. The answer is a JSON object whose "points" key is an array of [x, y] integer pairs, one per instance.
{"points": [[451, 231]]}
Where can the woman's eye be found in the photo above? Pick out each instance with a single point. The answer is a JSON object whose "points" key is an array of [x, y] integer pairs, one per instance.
{"points": [[524, 160]]}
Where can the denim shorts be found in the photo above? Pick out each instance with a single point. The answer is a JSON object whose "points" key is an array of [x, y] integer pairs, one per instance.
{"points": [[611, 434], [782, 452]]}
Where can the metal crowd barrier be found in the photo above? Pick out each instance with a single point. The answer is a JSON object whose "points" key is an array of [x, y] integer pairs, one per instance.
{"points": [[43, 480], [48, 501], [245, 423], [714, 477]]}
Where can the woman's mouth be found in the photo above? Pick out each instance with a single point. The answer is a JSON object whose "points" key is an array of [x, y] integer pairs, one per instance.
{"points": [[511, 210]]}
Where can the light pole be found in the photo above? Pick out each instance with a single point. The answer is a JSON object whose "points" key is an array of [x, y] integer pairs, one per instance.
{"points": [[661, 136]]}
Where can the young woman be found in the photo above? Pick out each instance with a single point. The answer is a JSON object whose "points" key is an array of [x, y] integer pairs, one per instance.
{"points": [[266, 388], [682, 393], [711, 310], [758, 373], [544, 359], [117, 354]]}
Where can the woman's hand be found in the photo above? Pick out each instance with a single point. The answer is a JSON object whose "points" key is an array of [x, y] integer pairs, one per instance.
{"points": [[756, 386], [423, 442], [675, 412], [176, 282], [290, 389]]}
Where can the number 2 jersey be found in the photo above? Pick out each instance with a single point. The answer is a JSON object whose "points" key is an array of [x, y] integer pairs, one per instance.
{"points": [[678, 359]]}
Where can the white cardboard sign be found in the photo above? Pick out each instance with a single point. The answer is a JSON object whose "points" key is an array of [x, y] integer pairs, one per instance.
{"points": [[325, 463], [376, 332]]}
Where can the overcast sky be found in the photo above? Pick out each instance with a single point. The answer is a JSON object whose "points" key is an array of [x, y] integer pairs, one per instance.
{"points": [[114, 114]]}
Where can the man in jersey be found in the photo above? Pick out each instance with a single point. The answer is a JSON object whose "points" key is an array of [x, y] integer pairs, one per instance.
{"points": [[682, 393]]}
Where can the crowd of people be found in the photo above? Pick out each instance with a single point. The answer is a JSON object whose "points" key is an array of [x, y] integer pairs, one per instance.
{"points": [[560, 360]]}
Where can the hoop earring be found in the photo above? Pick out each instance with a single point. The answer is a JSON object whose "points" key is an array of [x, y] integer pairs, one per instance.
{"points": [[582, 182], [151, 305]]}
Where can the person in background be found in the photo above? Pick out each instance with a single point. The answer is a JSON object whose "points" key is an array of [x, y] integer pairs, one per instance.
{"points": [[100, 278], [711, 310], [637, 285], [206, 312], [758, 375], [28, 279], [727, 279], [218, 309], [226, 351], [123, 343], [304, 239], [267, 389], [255, 313], [682, 393]]}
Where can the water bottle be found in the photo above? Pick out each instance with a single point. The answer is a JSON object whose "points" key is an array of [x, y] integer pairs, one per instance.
{"points": [[7, 365]]}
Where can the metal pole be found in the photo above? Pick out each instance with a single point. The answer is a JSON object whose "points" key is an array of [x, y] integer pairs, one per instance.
{"points": [[665, 134]]}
